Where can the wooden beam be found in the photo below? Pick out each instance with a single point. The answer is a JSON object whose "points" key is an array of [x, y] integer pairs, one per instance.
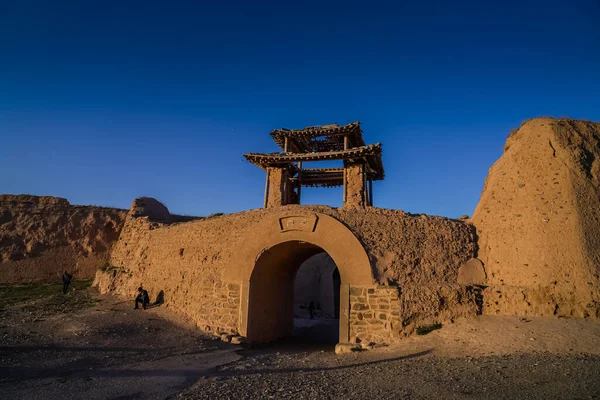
{"points": [[355, 153], [321, 178]]}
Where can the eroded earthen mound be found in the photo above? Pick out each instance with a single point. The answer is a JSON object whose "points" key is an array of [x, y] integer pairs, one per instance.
{"points": [[538, 221], [151, 208], [42, 236]]}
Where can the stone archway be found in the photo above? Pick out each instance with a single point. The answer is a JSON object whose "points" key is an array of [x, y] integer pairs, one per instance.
{"points": [[267, 262]]}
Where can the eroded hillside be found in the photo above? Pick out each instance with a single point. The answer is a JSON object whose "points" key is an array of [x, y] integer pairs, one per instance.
{"points": [[42, 236]]}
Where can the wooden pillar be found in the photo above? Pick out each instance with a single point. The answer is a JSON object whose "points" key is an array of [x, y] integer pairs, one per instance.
{"points": [[344, 178], [267, 189], [366, 189], [365, 186], [285, 145], [371, 192], [345, 184], [299, 181]]}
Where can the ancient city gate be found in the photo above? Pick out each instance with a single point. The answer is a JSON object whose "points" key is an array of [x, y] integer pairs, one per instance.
{"points": [[266, 265], [246, 285], [270, 258]]}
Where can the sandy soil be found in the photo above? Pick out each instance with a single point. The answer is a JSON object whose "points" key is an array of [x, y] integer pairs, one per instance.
{"points": [[501, 335], [85, 345]]}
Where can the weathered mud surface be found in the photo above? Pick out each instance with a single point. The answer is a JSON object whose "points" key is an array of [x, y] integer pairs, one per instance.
{"points": [[40, 237], [419, 254], [538, 221]]}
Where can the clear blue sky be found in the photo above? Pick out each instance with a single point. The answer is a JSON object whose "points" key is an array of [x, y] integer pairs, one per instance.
{"points": [[105, 101]]}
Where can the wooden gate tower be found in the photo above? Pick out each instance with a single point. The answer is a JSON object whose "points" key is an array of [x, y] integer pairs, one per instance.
{"points": [[286, 175]]}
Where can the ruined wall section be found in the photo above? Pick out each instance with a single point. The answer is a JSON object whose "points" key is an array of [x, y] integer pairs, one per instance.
{"points": [[41, 237], [415, 261], [538, 221], [410, 249], [185, 262], [414, 258]]}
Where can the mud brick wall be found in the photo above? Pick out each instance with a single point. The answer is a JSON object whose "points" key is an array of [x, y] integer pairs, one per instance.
{"points": [[414, 260], [538, 222], [280, 188], [355, 185]]}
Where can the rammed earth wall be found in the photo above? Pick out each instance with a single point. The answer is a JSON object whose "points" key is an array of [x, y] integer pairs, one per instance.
{"points": [[413, 260]]}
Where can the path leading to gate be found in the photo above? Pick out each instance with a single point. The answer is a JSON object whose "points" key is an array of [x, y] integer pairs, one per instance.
{"points": [[317, 330], [480, 358]]}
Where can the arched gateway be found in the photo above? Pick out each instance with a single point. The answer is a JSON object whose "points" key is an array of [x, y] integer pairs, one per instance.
{"points": [[234, 274], [267, 262]]}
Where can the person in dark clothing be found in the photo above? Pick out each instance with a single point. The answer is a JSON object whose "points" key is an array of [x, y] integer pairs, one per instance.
{"points": [[66, 278], [311, 309], [142, 298]]}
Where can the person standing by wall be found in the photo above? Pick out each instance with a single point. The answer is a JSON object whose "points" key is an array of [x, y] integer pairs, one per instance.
{"points": [[66, 278]]}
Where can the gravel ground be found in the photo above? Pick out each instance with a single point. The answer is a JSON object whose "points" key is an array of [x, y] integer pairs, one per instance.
{"points": [[265, 374], [87, 346]]}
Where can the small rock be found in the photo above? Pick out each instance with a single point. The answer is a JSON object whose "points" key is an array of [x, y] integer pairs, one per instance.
{"points": [[342, 348], [226, 337], [237, 340]]}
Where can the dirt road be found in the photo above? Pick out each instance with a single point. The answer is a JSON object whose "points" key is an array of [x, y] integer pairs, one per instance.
{"points": [[87, 346]]}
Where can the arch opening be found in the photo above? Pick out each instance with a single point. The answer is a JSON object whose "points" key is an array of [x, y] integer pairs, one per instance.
{"points": [[286, 279], [267, 262], [316, 300]]}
